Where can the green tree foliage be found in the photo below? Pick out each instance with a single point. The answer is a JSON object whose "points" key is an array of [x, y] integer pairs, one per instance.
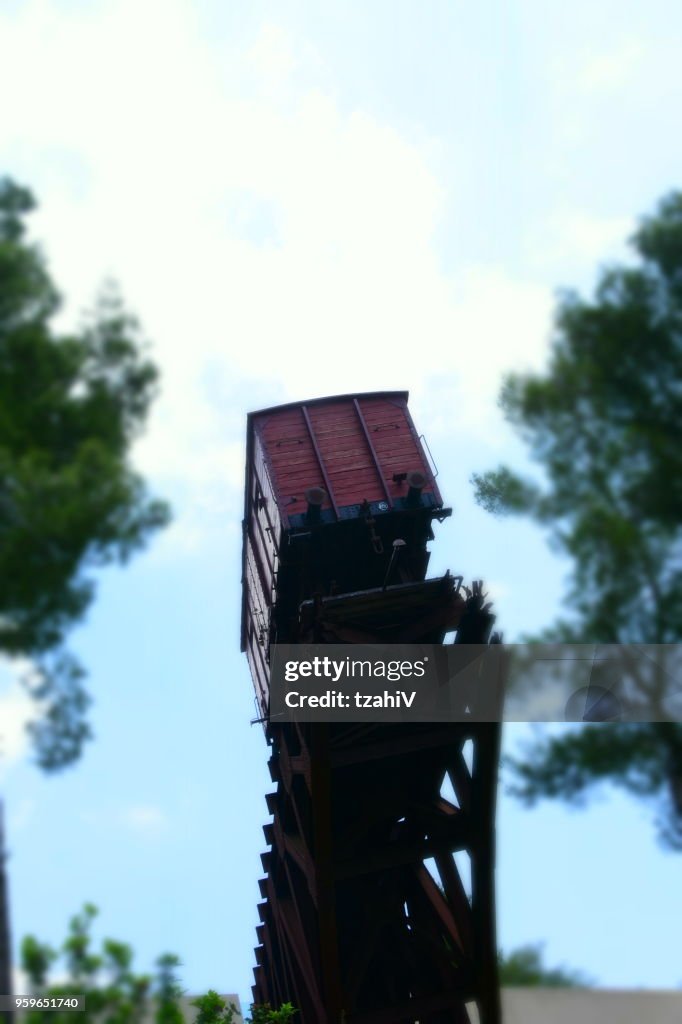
{"points": [[70, 408], [524, 968], [266, 1015], [168, 991], [603, 422], [114, 993], [213, 1009]]}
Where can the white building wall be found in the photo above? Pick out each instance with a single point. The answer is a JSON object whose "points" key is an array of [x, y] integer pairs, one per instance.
{"points": [[588, 1006]]}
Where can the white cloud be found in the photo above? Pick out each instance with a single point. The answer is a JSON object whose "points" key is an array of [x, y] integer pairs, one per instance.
{"points": [[20, 814], [574, 237], [594, 71], [611, 69], [496, 324], [17, 709], [346, 292], [496, 590], [20, 982], [144, 819], [272, 55]]}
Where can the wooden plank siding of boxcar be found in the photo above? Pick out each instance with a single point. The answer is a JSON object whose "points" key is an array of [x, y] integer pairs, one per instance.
{"points": [[258, 670], [347, 456], [269, 507], [257, 595], [395, 442], [289, 450], [261, 539], [256, 627]]}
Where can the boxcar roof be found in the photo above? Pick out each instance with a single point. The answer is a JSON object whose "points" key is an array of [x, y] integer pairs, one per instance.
{"points": [[329, 398]]}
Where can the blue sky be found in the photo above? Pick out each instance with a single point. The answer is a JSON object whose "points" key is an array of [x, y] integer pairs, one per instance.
{"points": [[300, 199]]}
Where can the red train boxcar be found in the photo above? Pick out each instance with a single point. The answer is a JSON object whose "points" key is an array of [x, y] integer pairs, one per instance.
{"points": [[331, 485]]}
